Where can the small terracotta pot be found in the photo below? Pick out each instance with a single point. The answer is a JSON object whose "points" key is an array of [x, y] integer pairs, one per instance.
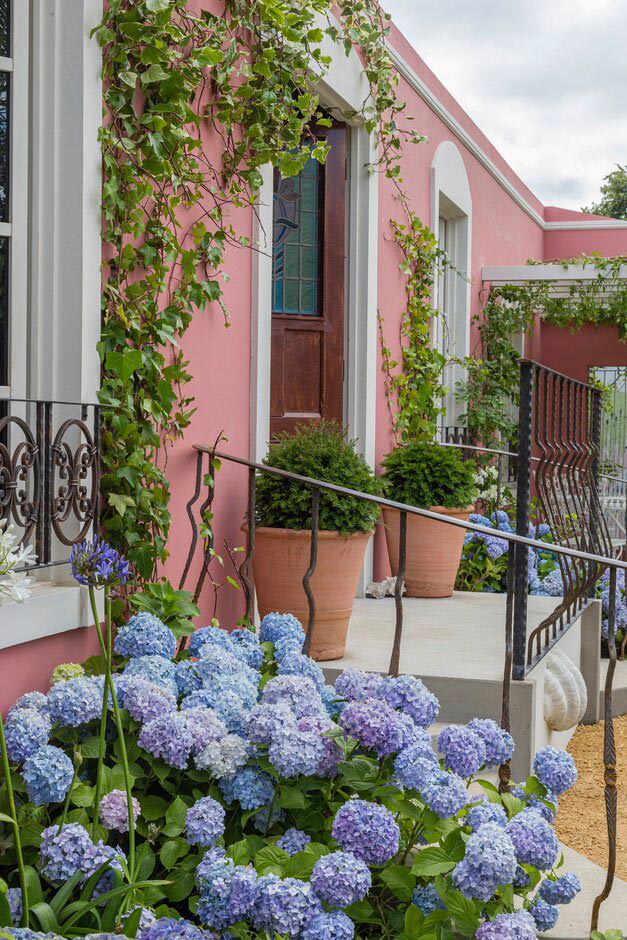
{"points": [[280, 560], [434, 551]]}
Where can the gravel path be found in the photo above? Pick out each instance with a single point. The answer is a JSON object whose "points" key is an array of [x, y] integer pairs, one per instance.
{"points": [[581, 817]]}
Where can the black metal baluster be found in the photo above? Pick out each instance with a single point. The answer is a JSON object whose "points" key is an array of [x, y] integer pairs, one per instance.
{"points": [[522, 520], [398, 595], [192, 519], [40, 496], [97, 470], [210, 479], [313, 560], [48, 484]]}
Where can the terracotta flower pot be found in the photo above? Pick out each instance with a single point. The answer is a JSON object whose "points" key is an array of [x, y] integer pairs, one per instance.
{"points": [[434, 551], [280, 560]]}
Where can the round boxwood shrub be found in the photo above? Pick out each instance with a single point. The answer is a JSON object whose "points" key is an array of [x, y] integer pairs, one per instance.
{"points": [[324, 452], [427, 475]]}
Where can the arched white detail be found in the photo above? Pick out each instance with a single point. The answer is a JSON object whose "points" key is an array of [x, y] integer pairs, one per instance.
{"points": [[451, 222]]}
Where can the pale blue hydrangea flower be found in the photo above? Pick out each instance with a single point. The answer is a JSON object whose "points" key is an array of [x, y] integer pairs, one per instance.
{"points": [[205, 636], [157, 669], [62, 853], [355, 685], [214, 661], [224, 756], [236, 683], [75, 702], [187, 678], [417, 774], [231, 710], [427, 899], [275, 627], [204, 823], [368, 830], [14, 900], [227, 891], [293, 752], [36, 700], [463, 750], [95, 857], [562, 890], [340, 879], [293, 841], [48, 774], [144, 700], [486, 812], [331, 700], [410, 695], [518, 926], [145, 635], [375, 725], [499, 744], [26, 730], [488, 864], [147, 918], [534, 841], [250, 787], [169, 738], [445, 794], [545, 915], [265, 720], [298, 692], [546, 805], [555, 769], [247, 646], [205, 727], [333, 925], [284, 906], [296, 664], [170, 928]]}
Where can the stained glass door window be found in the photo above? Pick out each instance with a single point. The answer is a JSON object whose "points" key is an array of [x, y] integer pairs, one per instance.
{"points": [[296, 243]]}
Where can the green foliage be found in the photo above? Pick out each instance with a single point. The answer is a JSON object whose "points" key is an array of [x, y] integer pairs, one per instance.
{"points": [[323, 452], [427, 475], [613, 195], [174, 608], [478, 572]]}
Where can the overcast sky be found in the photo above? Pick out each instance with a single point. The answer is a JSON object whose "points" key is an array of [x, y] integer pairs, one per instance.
{"points": [[546, 80]]}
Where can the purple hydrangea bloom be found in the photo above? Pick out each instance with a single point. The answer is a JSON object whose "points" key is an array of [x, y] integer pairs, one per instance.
{"points": [[499, 744], [298, 692], [463, 750], [224, 756], [48, 774], [156, 669], [375, 725], [187, 678], [518, 926], [169, 928], [204, 823], [486, 812], [534, 841], [114, 810], [144, 700], [276, 627], [368, 830], [204, 726], [264, 721], [412, 734], [75, 702], [560, 891], [26, 730], [444, 793], [227, 891], [335, 925], [427, 899], [169, 738], [331, 751], [340, 879], [293, 752], [296, 664], [488, 864], [293, 841], [147, 918], [36, 700], [14, 900], [545, 915], [555, 769], [96, 564], [145, 635], [410, 695], [246, 644], [284, 906], [62, 853]]}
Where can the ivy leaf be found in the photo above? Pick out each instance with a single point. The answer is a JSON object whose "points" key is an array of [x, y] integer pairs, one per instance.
{"points": [[157, 6], [123, 363]]}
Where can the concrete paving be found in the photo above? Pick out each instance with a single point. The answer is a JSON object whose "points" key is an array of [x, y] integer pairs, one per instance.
{"points": [[574, 922]]}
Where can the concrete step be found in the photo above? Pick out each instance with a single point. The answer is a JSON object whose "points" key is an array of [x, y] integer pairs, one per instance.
{"points": [[574, 922], [619, 688]]}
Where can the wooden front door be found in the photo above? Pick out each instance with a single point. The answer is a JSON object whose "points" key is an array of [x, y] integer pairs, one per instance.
{"points": [[308, 263]]}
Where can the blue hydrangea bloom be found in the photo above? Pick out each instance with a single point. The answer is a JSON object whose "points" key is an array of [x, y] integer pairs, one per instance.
{"points": [[264, 721], [232, 711], [415, 765], [463, 750], [156, 669], [375, 725], [298, 692], [546, 806], [204, 823], [521, 878], [48, 774], [26, 730], [293, 752], [555, 769], [94, 858], [331, 752], [62, 853], [227, 891], [215, 662], [518, 926], [14, 900], [534, 841], [284, 906], [147, 918], [545, 915], [276, 627], [420, 750], [266, 817], [560, 891], [334, 925], [293, 841], [144, 700], [224, 756], [368, 830], [204, 726], [187, 678], [340, 879], [243, 685], [295, 664], [499, 744], [427, 899], [169, 738], [36, 700], [206, 635], [488, 864], [250, 787], [145, 635], [331, 700], [485, 812], [169, 928], [445, 794], [411, 696], [246, 644], [75, 702]]}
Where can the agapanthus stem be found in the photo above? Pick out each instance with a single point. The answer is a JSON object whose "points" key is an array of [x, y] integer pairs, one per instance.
{"points": [[102, 748], [16, 829]]}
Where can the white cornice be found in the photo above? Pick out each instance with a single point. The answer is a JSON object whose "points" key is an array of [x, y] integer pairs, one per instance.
{"points": [[473, 147]]}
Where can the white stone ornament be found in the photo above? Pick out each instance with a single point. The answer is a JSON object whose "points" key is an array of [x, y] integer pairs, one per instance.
{"points": [[565, 693]]}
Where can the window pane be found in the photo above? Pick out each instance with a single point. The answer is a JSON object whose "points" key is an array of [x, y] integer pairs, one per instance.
{"points": [[296, 258], [4, 146], [4, 311], [5, 27]]}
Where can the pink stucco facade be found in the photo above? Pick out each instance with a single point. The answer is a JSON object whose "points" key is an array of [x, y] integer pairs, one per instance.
{"points": [[503, 232]]}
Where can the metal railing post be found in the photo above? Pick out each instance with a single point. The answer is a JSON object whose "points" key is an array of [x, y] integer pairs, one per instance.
{"points": [[313, 560], [521, 552], [398, 595]]}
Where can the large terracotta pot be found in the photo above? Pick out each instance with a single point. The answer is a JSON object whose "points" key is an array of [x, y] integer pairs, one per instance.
{"points": [[434, 551], [280, 560]]}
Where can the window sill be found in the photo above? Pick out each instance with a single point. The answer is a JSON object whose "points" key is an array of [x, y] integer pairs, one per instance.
{"points": [[52, 608]]}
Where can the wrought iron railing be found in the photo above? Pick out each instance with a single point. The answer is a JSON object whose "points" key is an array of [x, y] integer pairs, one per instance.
{"points": [[49, 474]]}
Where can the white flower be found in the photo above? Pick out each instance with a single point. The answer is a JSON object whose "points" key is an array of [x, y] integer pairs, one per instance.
{"points": [[14, 583]]}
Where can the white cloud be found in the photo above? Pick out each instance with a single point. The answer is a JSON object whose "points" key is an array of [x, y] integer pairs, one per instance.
{"points": [[546, 80]]}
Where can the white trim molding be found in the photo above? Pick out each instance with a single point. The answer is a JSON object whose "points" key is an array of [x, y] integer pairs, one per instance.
{"points": [[560, 273]]}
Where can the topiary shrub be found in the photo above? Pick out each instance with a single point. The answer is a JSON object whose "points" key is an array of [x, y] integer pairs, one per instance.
{"points": [[324, 452], [427, 475]]}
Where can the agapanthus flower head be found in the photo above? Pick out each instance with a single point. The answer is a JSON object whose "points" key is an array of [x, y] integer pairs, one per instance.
{"points": [[145, 635], [332, 925], [427, 899], [296, 664], [293, 841], [265, 720], [276, 627], [463, 750], [410, 695], [223, 756], [66, 671], [534, 841], [518, 926], [26, 730], [171, 928], [499, 744], [114, 810], [298, 692], [204, 823], [555, 769], [375, 725], [483, 812], [48, 774], [75, 702], [169, 738], [340, 879], [545, 915], [157, 669], [488, 864], [251, 787], [62, 851], [96, 564], [284, 906], [562, 890], [145, 700], [368, 830], [444, 793], [204, 726]]}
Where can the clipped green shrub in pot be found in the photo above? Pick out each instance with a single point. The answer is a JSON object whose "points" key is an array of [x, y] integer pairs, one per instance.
{"points": [[429, 476], [283, 532]]}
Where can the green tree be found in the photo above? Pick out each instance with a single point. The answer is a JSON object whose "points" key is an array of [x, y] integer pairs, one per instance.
{"points": [[614, 195]]}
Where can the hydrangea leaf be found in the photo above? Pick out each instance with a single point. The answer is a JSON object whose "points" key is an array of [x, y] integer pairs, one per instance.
{"points": [[399, 880], [432, 861]]}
